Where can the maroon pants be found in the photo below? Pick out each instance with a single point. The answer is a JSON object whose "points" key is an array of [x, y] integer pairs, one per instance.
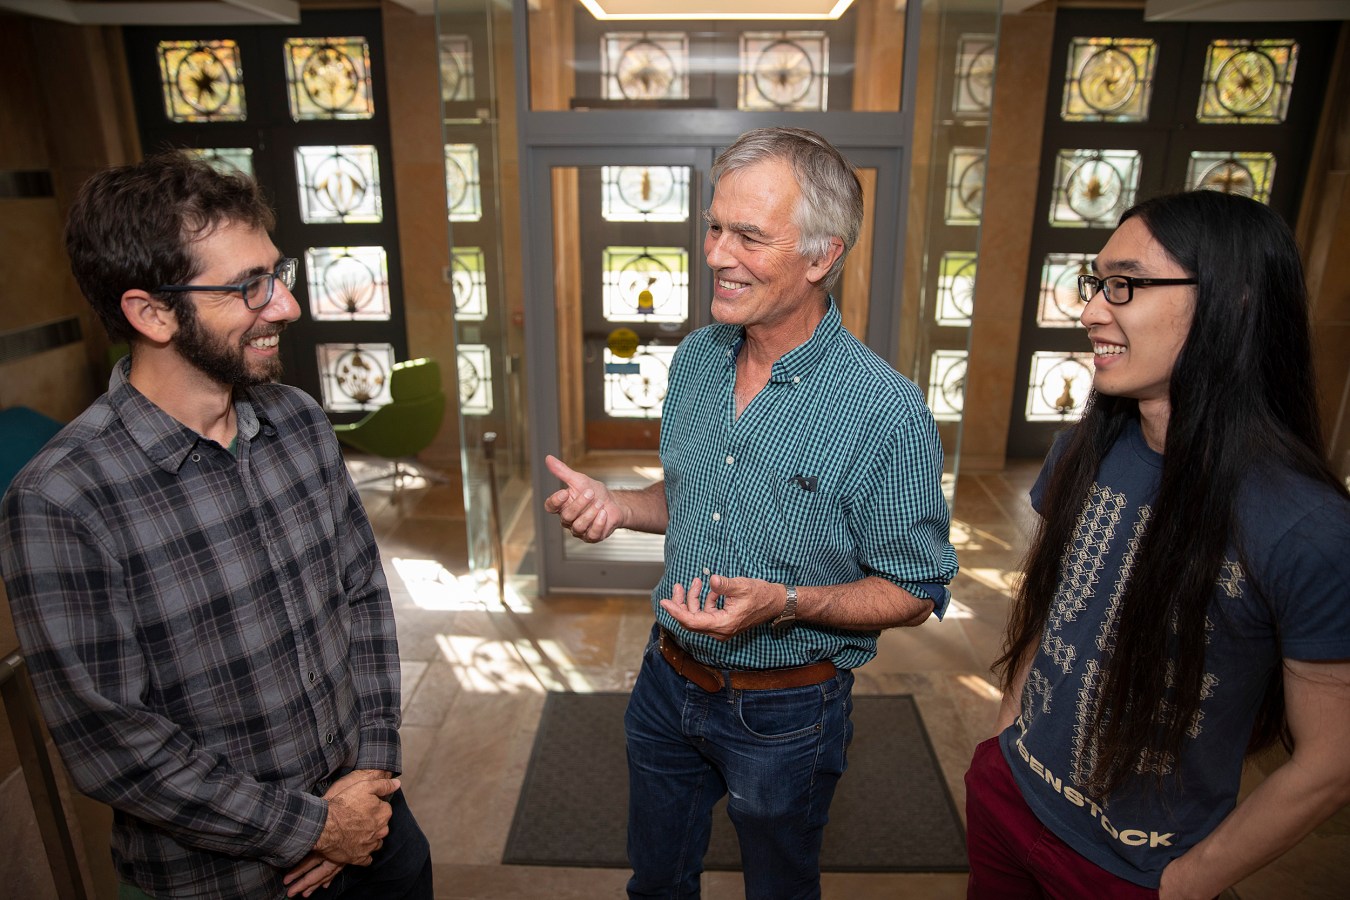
{"points": [[1012, 855]]}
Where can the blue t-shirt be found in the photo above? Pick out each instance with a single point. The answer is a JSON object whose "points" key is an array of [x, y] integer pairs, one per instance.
{"points": [[1296, 534]]}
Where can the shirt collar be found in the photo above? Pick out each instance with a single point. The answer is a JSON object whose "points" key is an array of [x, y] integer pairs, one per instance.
{"points": [[164, 439], [800, 360]]}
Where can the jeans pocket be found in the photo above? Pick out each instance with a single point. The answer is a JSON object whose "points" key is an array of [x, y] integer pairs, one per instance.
{"points": [[781, 715]]}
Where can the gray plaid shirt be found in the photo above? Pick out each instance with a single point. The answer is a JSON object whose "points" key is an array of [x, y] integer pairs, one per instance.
{"points": [[210, 635], [833, 473]]}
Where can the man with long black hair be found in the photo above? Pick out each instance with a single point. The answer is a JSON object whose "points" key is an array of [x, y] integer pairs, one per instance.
{"points": [[1184, 602]]}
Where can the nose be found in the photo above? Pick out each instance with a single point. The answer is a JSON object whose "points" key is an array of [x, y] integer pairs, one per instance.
{"points": [[715, 252], [283, 307], [1096, 311]]}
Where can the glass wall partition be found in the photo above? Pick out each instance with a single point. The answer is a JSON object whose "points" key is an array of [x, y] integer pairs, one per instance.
{"points": [[473, 41], [958, 46]]}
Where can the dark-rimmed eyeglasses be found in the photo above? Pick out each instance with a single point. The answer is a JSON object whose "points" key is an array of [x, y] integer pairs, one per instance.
{"points": [[257, 291], [1119, 289]]}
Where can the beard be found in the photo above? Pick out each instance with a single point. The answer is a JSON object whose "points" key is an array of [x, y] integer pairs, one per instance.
{"points": [[218, 359]]}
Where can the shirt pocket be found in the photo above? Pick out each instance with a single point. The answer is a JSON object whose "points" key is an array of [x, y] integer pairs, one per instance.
{"points": [[805, 522]]}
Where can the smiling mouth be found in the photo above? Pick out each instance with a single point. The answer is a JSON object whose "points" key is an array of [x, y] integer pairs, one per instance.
{"points": [[730, 285], [266, 342], [1107, 349]]}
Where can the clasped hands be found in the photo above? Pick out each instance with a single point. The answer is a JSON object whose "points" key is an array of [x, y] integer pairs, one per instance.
{"points": [[358, 821], [745, 603]]}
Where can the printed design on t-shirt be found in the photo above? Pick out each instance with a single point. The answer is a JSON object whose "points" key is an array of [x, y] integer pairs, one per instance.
{"points": [[1083, 563], [1083, 755], [1231, 579], [1035, 694], [1106, 637]]}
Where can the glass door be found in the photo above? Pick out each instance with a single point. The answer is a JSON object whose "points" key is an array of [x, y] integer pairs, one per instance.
{"points": [[624, 230]]}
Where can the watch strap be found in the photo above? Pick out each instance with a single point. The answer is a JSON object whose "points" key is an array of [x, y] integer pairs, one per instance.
{"points": [[789, 613]]}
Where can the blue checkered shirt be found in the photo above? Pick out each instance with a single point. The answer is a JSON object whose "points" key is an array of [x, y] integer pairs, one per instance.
{"points": [[210, 635], [831, 474]]}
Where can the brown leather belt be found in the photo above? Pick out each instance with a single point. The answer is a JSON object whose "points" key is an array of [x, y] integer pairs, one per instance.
{"points": [[711, 679]]}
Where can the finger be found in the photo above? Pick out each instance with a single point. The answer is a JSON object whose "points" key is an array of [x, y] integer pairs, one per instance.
{"points": [[554, 502], [695, 592], [600, 527], [383, 787], [564, 473], [320, 876], [308, 864]]}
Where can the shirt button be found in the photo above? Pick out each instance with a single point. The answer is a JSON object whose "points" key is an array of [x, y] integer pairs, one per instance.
{"points": [[717, 517], [796, 379], [730, 460], [196, 457], [707, 571], [330, 737], [313, 677]]}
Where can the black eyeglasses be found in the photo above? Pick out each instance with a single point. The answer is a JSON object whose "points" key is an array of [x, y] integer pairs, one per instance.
{"points": [[257, 291], [1119, 289]]}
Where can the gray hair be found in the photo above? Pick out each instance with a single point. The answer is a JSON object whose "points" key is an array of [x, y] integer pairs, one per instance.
{"points": [[831, 204]]}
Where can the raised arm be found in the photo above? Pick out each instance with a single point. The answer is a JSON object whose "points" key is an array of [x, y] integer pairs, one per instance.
{"points": [[592, 512]]}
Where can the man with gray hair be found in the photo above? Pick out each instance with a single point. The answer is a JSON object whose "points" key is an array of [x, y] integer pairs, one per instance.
{"points": [[803, 513]]}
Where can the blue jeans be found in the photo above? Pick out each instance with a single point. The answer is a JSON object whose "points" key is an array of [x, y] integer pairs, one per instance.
{"points": [[779, 753]]}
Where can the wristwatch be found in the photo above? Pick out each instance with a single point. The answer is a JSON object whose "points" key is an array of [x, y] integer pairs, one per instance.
{"points": [[789, 614]]}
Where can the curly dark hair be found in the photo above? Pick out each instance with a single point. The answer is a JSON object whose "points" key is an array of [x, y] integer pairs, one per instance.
{"points": [[134, 227]]}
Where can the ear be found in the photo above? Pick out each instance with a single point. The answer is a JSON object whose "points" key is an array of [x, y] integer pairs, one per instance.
{"points": [[821, 267], [151, 318]]}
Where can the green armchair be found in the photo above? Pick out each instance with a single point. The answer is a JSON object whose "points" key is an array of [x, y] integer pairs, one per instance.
{"points": [[409, 423]]}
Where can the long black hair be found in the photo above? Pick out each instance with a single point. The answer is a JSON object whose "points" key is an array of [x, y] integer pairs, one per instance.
{"points": [[1242, 396]]}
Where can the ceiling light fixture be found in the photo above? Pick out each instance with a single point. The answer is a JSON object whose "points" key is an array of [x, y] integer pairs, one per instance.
{"points": [[629, 10]]}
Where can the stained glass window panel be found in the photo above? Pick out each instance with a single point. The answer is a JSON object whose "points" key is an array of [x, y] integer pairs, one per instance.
{"points": [[645, 193], [354, 377], [468, 283], [956, 289], [636, 388], [965, 185], [474, 364], [1247, 82], [339, 184], [463, 194], [1245, 174], [784, 71], [329, 78], [348, 284], [1060, 305], [456, 68], [1093, 187], [1058, 385], [203, 81], [645, 65], [646, 284], [1109, 79], [947, 384], [974, 93], [227, 160]]}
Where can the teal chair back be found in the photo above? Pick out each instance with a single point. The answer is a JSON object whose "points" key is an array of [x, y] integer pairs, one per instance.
{"points": [[410, 421]]}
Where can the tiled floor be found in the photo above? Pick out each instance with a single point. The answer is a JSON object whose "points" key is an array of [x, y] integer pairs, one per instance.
{"points": [[476, 672]]}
